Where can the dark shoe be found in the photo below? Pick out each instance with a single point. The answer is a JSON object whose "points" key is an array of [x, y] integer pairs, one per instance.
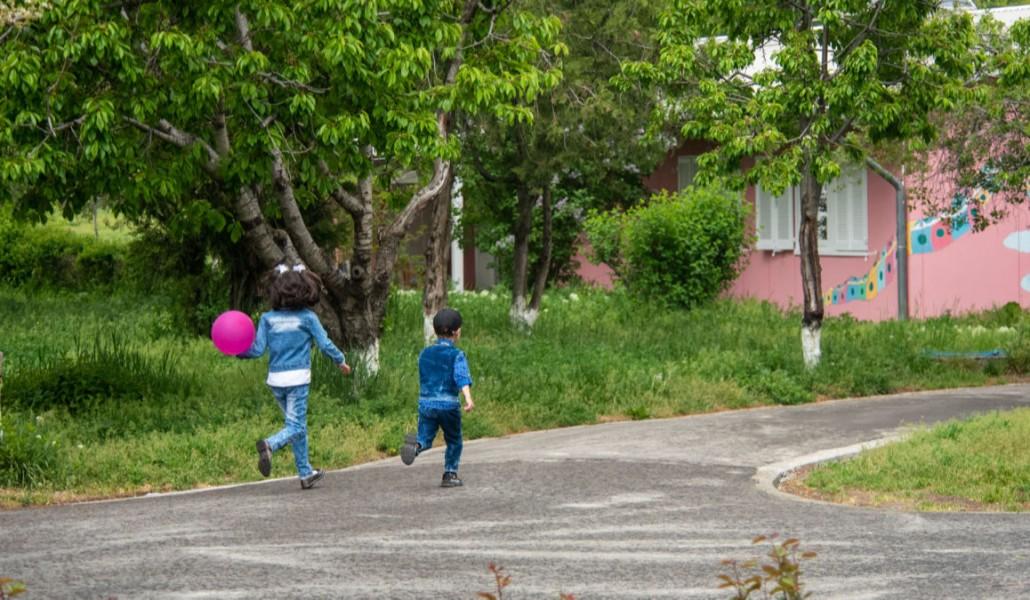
{"points": [[264, 458], [450, 480], [410, 448], [309, 482]]}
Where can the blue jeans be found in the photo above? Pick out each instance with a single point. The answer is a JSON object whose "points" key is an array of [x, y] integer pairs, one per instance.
{"points": [[294, 403], [431, 418]]}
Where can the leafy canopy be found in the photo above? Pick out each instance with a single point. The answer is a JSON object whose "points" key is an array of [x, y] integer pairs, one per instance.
{"points": [[803, 86], [156, 104]]}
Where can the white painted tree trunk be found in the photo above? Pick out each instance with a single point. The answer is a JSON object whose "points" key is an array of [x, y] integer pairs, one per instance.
{"points": [[810, 345], [368, 358], [428, 333], [521, 315]]}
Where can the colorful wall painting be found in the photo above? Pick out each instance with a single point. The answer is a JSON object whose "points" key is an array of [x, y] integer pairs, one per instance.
{"points": [[1020, 242], [869, 285], [930, 234]]}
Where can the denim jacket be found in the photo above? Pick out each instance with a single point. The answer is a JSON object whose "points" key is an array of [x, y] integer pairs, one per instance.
{"points": [[287, 334], [442, 371]]}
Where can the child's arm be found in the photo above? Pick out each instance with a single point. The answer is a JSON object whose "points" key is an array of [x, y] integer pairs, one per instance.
{"points": [[257, 349], [463, 378], [326, 345]]}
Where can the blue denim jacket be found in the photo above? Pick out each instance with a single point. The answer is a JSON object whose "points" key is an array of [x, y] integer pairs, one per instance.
{"points": [[287, 334], [442, 371]]}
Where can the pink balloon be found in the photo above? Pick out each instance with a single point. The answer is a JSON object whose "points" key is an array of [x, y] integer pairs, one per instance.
{"points": [[232, 332]]}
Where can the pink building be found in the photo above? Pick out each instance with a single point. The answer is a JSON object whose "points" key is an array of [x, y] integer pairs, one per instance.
{"points": [[952, 269]]}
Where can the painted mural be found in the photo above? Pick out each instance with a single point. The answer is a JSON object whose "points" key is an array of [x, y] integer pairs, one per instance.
{"points": [[926, 235], [1020, 242]]}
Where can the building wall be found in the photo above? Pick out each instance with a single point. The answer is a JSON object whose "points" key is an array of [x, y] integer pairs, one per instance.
{"points": [[975, 271]]}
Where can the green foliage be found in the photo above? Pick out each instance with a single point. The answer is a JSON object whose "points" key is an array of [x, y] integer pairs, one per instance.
{"points": [[108, 368], [584, 141], [29, 454], [800, 113], [236, 123], [778, 579], [493, 234], [43, 256], [185, 415], [682, 249]]}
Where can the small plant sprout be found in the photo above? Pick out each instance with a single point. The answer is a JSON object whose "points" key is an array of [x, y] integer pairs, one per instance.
{"points": [[10, 588], [502, 580], [779, 579]]}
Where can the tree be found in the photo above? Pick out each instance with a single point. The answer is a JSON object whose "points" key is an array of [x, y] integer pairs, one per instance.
{"points": [[524, 180], [984, 142], [843, 74], [262, 117]]}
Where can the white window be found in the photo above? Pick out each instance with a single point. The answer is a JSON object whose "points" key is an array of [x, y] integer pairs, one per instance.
{"points": [[843, 217], [686, 170], [774, 219]]}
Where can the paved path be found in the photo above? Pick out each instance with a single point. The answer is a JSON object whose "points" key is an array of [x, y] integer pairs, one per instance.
{"points": [[624, 510]]}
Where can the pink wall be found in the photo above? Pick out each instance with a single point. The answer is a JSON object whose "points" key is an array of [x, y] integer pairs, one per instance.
{"points": [[972, 273]]}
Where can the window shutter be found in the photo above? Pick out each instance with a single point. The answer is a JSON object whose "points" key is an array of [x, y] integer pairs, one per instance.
{"points": [[686, 169], [847, 208], [774, 219]]}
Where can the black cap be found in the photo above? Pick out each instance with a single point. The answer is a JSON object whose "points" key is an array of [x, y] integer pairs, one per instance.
{"points": [[447, 321]]}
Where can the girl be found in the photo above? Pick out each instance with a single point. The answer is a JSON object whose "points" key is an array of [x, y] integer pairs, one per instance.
{"points": [[287, 332]]}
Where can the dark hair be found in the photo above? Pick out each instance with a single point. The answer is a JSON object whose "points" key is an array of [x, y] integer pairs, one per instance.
{"points": [[446, 322], [290, 289]]}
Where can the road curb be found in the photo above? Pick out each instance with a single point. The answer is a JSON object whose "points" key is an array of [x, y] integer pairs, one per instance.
{"points": [[768, 477]]}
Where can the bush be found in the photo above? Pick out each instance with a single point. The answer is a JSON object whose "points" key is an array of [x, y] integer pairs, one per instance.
{"points": [[682, 249], [40, 256]]}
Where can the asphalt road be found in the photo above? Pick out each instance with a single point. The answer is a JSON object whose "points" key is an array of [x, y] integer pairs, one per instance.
{"points": [[643, 509]]}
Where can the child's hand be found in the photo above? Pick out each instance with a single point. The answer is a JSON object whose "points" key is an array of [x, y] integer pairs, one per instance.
{"points": [[469, 406], [345, 369]]}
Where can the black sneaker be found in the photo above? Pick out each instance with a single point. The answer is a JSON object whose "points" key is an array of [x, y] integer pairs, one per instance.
{"points": [[450, 479], [309, 482], [264, 457], [410, 448]]}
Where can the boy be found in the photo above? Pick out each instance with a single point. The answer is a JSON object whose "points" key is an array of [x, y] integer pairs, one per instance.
{"points": [[443, 371]]}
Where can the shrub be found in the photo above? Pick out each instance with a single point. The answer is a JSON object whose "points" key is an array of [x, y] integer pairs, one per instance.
{"points": [[682, 249], [40, 256]]}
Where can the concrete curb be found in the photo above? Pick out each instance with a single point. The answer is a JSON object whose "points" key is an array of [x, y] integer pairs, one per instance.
{"points": [[768, 478]]}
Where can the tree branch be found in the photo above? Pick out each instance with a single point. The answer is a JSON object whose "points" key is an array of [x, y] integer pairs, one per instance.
{"points": [[347, 201], [243, 30], [175, 136], [295, 226]]}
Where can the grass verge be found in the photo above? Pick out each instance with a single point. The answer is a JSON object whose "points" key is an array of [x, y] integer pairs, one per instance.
{"points": [[105, 397], [978, 464]]}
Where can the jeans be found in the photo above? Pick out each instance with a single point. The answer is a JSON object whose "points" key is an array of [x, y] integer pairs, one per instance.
{"points": [[431, 418], [294, 403]]}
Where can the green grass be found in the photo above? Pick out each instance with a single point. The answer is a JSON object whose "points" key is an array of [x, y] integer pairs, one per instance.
{"points": [[982, 463], [104, 396]]}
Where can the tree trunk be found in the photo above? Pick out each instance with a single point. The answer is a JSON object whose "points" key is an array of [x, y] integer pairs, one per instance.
{"points": [[811, 271], [434, 293], [521, 315], [544, 265]]}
